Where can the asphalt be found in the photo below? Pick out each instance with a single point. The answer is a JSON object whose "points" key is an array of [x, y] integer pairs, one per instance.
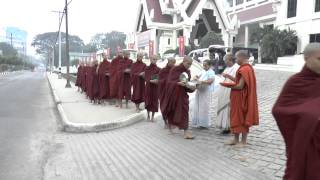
{"points": [[27, 124]]}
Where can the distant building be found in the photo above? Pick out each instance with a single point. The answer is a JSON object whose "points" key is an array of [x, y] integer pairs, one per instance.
{"points": [[251, 14], [160, 23], [302, 16], [16, 37]]}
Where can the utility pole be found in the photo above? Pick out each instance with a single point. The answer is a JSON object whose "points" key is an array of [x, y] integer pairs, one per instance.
{"points": [[59, 39], [68, 85]]}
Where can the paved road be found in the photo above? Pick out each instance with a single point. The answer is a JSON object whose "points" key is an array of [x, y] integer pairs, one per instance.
{"points": [[27, 123]]}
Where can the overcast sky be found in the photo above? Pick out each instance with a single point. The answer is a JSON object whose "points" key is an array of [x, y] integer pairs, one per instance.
{"points": [[86, 17]]}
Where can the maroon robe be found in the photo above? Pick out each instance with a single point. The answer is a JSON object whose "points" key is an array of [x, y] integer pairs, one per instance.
{"points": [[104, 92], [175, 104], [124, 79], [163, 75], [151, 98], [79, 74], [297, 112], [93, 84], [114, 80], [137, 82], [85, 84]]}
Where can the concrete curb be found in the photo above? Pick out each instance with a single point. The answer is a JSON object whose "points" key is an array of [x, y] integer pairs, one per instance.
{"points": [[92, 127]]}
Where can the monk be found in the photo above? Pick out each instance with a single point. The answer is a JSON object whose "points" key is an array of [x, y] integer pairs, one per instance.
{"points": [[151, 99], [175, 106], [137, 81], [163, 75], [114, 79], [79, 74], [103, 68], [124, 79], [83, 77], [297, 113], [93, 84], [243, 99]]}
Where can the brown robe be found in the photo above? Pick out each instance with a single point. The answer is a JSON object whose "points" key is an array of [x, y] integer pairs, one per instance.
{"points": [[93, 84], [176, 101], [79, 74], [124, 79], [297, 112], [151, 98], [104, 91], [114, 80], [137, 81], [163, 75]]}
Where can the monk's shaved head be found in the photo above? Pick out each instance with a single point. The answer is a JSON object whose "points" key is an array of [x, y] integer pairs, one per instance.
{"points": [[187, 62], [153, 59], [242, 57], [171, 61], [243, 53], [312, 57]]}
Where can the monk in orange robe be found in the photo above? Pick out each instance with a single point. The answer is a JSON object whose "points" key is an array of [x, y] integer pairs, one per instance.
{"points": [[297, 113], [137, 81], [163, 75], [175, 105], [243, 99], [103, 68], [124, 79], [151, 100]]}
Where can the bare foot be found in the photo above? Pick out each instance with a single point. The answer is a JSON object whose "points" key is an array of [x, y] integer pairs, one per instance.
{"points": [[241, 145], [231, 143], [188, 136]]}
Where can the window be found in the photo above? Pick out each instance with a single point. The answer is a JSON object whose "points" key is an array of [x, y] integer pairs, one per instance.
{"points": [[292, 8], [168, 41], [239, 2], [317, 6], [314, 38], [230, 3]]}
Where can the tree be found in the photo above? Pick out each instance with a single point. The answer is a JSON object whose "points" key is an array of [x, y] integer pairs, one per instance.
{"points": [[211, 38], [275, 43], [44, 42], [109, 40], [7, 49]]}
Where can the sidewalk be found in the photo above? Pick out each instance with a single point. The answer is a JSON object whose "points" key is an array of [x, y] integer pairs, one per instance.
{"points": [[79, 115]]}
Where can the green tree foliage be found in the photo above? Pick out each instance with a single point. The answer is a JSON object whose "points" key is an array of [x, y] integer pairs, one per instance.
{"points": [[211, 38], [10, 60], [110, 40], [44, 42], [275, 43]]}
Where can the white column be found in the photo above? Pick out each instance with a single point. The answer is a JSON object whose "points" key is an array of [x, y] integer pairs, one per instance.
{"points": [[246, 36], [174, 33]]}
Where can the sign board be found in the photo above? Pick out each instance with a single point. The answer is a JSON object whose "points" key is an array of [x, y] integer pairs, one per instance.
{"points": [[151, 48], [143, 38], [181, 46]]}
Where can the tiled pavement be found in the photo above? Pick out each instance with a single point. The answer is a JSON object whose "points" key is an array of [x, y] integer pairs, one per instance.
{"points": [[146, 151]]}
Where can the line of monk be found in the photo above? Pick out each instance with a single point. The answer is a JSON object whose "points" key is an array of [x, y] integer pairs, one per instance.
{"points": [[121, 79]]}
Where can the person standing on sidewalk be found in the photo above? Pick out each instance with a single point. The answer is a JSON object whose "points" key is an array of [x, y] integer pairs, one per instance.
{"points": [[205, 89], [125, 79], [163, 75], [93, 89], [137, 81], [244, 104], [103, 68], [176, 101], [151, 98], [223, 108], [79, 75], [298, 117], [114, 80]]}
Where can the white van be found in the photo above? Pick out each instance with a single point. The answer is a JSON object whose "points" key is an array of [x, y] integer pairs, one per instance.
{"points": [[199, 54]]}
